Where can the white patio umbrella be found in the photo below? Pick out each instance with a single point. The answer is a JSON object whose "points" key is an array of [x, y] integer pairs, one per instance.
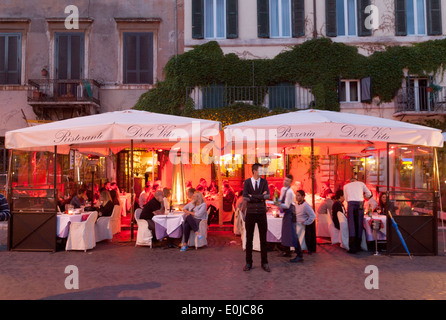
{"points": [[333, 132], [332, 128], [114, 131]]}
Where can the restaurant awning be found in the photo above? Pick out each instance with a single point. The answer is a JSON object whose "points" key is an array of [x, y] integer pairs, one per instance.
{"points": [[329, 127], [112, 131]]}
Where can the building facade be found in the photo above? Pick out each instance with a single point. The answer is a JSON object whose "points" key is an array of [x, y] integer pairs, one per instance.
{"points": [[61, 59], [273, 26], [262, 29]]}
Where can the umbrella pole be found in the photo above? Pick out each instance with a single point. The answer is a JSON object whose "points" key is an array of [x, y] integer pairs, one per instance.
{"points": [[313, 200], [132, 185], [437, 173]]}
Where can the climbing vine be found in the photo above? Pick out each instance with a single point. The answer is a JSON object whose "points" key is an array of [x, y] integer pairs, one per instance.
{"points": [[317, 63]]}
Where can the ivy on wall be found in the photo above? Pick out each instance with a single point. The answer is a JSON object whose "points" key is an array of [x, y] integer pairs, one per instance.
{"points": [[317, 63]]}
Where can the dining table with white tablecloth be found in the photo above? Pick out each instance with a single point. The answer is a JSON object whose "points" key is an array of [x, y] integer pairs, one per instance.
{"points": [[169, 225], [64, 221], [274, 232]]}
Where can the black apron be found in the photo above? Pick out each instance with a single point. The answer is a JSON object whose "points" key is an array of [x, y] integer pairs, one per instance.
{"points": [[289, 234]]}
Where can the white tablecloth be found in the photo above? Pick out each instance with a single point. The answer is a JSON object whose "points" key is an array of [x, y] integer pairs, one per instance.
{"points": [[169, 222], [382, 233], [275, 226], [274, 233], [63, 223]]}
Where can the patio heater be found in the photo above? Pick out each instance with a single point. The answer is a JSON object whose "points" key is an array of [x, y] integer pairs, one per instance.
{"points": [[178, 183]]}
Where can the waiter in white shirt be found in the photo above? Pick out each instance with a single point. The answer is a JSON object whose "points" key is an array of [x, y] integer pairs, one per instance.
{"points": [[354, 195], [287, 204]]}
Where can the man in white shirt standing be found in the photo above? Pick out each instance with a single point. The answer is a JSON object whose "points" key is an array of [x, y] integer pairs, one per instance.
{"points": [[354, 195]]}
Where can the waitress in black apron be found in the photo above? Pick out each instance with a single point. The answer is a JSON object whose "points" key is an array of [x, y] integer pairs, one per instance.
{"points": [[286, 204]]}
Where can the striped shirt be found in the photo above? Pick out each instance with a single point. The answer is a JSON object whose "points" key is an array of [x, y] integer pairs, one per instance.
{"points": [[5, 214]]}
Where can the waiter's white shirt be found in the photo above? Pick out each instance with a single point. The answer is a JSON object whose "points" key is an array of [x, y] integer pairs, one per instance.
{"points": [[290, 198], [254, 183], [354, 191]]}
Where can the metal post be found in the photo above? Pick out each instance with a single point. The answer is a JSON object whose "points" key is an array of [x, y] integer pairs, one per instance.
{"points": [[132, 184], [55, 178], [312, 176]]}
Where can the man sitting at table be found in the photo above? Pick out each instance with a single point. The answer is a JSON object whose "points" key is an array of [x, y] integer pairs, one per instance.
{"points": [[79, 199], [152, 208]]}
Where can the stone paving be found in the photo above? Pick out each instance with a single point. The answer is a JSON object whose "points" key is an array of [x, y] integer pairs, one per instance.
{"points": [[119, 270]]}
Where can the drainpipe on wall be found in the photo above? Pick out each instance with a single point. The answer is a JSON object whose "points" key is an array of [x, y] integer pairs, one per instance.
{"points": [[176, 29], [314, 20]]}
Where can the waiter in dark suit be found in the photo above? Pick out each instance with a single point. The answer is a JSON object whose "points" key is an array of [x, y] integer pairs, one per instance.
{"points": [[255, 192]]}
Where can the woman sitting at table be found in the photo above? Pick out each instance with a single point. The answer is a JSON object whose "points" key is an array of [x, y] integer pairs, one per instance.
{"points": [[107, 206], [194, 211], [382, 202], [213, 188]]}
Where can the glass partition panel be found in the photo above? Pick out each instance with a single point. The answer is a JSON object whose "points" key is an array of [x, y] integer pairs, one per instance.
{"points": [[32, 181]]}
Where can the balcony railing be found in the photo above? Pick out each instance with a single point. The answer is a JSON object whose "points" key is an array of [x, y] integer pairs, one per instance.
{"points": [[273, 97], [62, 91], [421, 99]]}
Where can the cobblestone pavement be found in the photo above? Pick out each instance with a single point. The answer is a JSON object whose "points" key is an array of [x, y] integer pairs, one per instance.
{"points": [[119, 270]]}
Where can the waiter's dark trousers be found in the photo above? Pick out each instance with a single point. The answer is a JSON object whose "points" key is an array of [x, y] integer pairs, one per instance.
{"points": [[250, 222], [355, 219]]}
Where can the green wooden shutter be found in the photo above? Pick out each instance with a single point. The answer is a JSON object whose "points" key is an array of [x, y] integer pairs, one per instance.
{"points": [[362, 30], [400, 18], [366, 89], [231, 19], [138, 58], [298, 18], [10, 58], [331, 18], [263, 18], [434, 24], [69, 55], [198, 19]]}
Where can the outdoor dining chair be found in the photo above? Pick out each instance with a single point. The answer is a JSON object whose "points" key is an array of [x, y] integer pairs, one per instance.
{"points": [[82, 234]]}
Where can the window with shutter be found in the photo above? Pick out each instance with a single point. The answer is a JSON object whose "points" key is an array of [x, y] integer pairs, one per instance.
{"points": [[416, 17], [434, 22], [349, 91], [10, 58], [138, 58], [69, 56], [280, 18], [215, 19]]}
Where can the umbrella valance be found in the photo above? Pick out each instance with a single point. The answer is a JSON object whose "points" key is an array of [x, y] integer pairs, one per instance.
{"points": [[332, 127], [112, 130]]}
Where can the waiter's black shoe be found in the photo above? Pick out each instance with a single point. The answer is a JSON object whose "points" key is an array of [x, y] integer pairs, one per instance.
{"points": [[266, 267], [297, 259], [247, 267]]}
